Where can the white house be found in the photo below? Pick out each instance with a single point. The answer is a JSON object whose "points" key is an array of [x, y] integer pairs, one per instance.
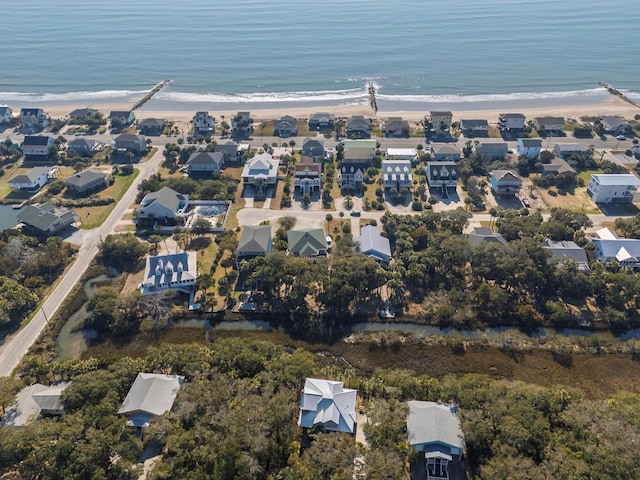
{"points": [[401, 154], [328, 405], [529, 147], [396, 174], [492, 150], [612, 188], [37, 147], [441, 121], [165, 204], [261, 169], [203, 123], [611, 248], [175, 271], [150, 395], [374, 245], [307, 177], [31, 181], [474, 127], [34, 117], [511, 121], [6, 114]]}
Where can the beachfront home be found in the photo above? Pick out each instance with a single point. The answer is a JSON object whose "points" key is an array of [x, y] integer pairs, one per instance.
{"points": [[173, 271], [314, 148], [568, 250], [203, 124], [328, 406], [374, 245], [401, 154], [491, 151], [474, 128], [358, 127], [445, 151], [612, 187], [548, 124], [310, 242], [442, 175], [505, 182], [46, 219], [286, 126], [352, 174], [80, 115], [37, 147], [128, 142], [608, 247], [322, 122], [396, 174], [396, 127], [307, 176], [34, 118], [151, 394], [205, 164], [359, 149], [119, 119], [529, 147], [241, 125], [511, 121], [31, 181], [558, 166], [254, 242], [485, 234], [84, 146], [88, 180], [151, 126], [615, 125], [441, 121], [434, 430], [6, 114], [164, 204], [568, 150]]}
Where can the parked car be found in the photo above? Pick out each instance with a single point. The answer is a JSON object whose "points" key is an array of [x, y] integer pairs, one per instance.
{"points": [[621, 137], [355, 213]]}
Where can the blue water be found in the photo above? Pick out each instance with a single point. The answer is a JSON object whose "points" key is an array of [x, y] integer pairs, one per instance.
{"points": [[8, 217], [295, 50]]}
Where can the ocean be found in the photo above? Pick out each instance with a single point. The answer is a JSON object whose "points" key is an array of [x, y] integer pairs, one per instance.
{"points": [[292, 52]]}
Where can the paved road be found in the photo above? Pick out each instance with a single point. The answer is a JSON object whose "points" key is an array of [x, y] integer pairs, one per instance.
{"points": [[16, 346]]}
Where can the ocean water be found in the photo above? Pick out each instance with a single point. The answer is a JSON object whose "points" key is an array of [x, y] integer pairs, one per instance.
{"points": [[253, 51]]}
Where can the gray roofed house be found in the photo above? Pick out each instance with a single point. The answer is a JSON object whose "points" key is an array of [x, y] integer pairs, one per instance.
{"points": [[34, 117], [130, 142], [611, 248], [150, 395], [6, 114], [31, 181], [492, 150], [83, 145], [241, 125], [567, 150], [397, 174], [321, 121], [121, 118], [614, 124], [87, 180], [529, 147], [396, 127], [37, 147], [254, 242], [358, 127], [442, 175], [151, 126], [49, 399], [205, 163], [445, 152], [505, 182], [511, 121], [557, 166], [164, 204], [46, 218], [203, 123], [474, 127], [175, 271], [307, 242], [327, 405], [374, 245], [434, 429], [83, 113], [286, 126], [485, 234], [549, 124], [313, 147], [570, 250]]}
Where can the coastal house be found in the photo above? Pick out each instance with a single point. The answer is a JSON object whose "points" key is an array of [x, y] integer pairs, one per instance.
{"points": [[328, 406], [612, 187], [401, 154], [568, 150], [241, 125], [358, 127], [396, 127], [151, 394], [374, 245], [322, 122], [32, 181], [434, 429], [203, 124], [396, 174], [445, 151], [286, 126], [6, 114], [529, 147], [474, 128], [491, 151], [205, 164], [46, 218], [37, 148], [352, 174], [485, 234], [129, 142], [568, 250], [442, 175], [307, 242], [88, 180], [49, 399], [548, 124], [254, 242], [84, 146], [119, 118], [558, 166], [359, 149], [34, 118], [80, 115], [307, 177], [511, 121], [164, 204], [260, 171], [173, 271], [151, 126], [231, 150], [608, 247], [505, 182], [615, 125], [441, 121], [314, 148]]}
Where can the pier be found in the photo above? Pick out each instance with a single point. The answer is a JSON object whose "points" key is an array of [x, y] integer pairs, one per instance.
{"points": [[614, 91], [151, 93]]}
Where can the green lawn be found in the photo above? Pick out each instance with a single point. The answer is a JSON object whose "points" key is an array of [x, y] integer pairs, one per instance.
{"points": [[92, 217]]}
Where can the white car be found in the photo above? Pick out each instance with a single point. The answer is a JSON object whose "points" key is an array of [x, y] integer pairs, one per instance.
{"points": [[621, 137]]}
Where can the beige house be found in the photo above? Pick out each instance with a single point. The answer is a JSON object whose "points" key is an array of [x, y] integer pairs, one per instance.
{"points": [[441, 121]]}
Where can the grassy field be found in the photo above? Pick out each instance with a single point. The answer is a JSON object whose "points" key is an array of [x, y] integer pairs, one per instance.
{"points": [[579, 200]]}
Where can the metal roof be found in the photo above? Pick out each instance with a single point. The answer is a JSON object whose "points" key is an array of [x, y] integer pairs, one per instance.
{"points": [[616, 179], [152, 393], [431, 422], [328, 404]]}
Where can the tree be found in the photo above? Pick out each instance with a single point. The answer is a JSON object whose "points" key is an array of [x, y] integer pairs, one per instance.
{"points": [[201, 226], [306, 200], [122, 251], [287, 223], [155, 240]]}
